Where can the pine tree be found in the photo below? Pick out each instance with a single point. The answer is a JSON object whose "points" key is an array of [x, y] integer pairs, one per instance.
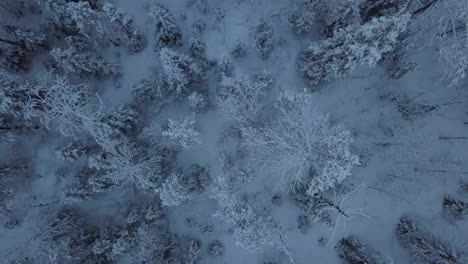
{"points": [[145, 91], [425, 246], [454, 209], [333, 14], [179, 71], [377, 8], [351, 47], [168, 33], [183, 132], [123, 29], [82, 61], [124, 120], [352, 251], [15, 95], [198, 102], [172, 192]]}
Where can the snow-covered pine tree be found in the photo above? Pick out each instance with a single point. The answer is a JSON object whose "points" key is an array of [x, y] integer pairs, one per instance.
{"points": [[124, 121], [183, 132], [179, 71], [15, 95], [377, 8], [300, 146], [351, 47], [167, 31], [194, 251], [454, 209], [425, 246], [198, 102], [123, 29], [14, 59], [301, 21], [352, 251], [333, 14], [31, 41], [11, 8], [77, 17], [76, 59], [197, 48], [145, 91], [172, 192], [74, 150]]}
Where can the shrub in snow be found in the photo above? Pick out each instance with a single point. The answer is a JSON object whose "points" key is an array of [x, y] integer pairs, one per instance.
{"points": [[351, 47], [197, 48], [167, 31], [198, 27], [123, 29], [454, 209], [277, 200], [172, 192], [241, 99], [303, 223], [264, 33], [216, 248], [183, 132], [239, 49], [225, 67], [179, 71], [352, 251], [218, 18], [301, 147], [425, 246]]}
